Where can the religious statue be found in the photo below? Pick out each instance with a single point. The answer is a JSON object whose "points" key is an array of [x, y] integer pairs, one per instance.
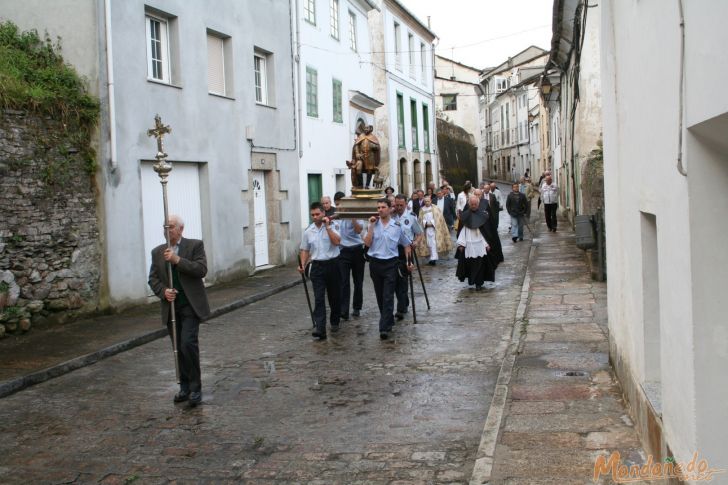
{"points": [[365, 158]]}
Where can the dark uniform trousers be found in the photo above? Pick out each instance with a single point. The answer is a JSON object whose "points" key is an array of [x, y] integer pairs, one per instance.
{"points": [[188, 348], [401, 288], [326, 280], [550, 213], [351, 264], [384, 279]]}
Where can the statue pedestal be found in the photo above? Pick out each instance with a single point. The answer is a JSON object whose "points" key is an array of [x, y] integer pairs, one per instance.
{"points": [[362, 204]]}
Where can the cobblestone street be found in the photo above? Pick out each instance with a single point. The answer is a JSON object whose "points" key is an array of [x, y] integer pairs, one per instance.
{"points": [[278, 406]]}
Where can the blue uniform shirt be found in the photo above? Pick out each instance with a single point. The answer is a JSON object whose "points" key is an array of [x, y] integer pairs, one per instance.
{"points": [[386, 239], [349, 237], [316, 241], [409, 223]]}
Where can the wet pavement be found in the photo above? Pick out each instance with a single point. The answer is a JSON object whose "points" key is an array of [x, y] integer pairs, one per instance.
{"points": [[278, 406], [565, 406]]}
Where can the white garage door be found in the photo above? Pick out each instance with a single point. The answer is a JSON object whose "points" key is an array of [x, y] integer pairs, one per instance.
{"points": [[183, 196]]}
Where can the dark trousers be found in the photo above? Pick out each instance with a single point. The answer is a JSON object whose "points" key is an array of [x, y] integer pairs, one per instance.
{"points": [[384, 277], [351, 266], [188, 348], [326, 280], [401, 289], [550, 211]]}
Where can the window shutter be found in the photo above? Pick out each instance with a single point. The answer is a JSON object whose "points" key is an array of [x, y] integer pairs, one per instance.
{"points": [[215, 65]]}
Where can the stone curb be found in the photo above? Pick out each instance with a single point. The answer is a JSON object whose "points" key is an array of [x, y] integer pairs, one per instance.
{"points": [[488, 440], [19, 383]]}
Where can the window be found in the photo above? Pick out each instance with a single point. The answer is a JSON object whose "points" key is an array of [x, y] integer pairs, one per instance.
{"points": [[311, 92], [334, 18], [352, 31], [449, 102], [336, 90], [400, 120], [260, 66], [397, 47], [219, 67], [415, 131], [157, 49], [411, 47], [508, 125], [500, 85], [426, 127], [309, 11], [423, 60]]}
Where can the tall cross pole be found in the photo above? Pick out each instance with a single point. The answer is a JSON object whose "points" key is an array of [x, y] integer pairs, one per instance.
{"points": [[162, 167]]}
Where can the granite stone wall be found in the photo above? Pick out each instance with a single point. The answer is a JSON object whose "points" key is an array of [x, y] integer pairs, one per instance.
{"points": [[50, 255]]}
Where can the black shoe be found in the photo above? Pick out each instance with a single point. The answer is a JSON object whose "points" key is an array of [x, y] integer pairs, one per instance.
{"points": [[398, 316], [355, 313], [334, 328], [320, 336], [345, 317], [478, 287], [432, 262], [520, 239], [181, 396], [515, 239], [195, 398], [383, 335]]}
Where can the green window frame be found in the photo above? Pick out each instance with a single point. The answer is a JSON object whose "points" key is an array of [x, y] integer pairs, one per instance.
{"points": [[426, 127], [337, 105], [400, 120], [311, 92], [415, 131]]}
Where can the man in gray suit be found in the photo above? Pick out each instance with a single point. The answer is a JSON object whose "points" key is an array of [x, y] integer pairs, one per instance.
{"points": [[189, 267]]}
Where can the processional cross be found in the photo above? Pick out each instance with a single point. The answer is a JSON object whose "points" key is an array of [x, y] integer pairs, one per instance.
{"points": [[162, 167]]}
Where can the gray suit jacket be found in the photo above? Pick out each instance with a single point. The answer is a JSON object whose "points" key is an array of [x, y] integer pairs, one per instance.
{"points": [[192, 267]]}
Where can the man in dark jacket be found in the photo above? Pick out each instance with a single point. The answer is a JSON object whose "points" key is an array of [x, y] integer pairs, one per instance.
{"points": [[446, 203], [189, 267], [516, 205]]}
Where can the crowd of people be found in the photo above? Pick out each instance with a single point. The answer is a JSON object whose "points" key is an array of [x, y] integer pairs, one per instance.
{"points": [[429, 224], [334, 251]]}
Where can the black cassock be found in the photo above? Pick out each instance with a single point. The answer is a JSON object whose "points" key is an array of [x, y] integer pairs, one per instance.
{"points": [[481, 269]]}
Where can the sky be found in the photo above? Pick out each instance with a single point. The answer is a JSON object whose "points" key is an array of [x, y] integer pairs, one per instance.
{"points": [[497, 28]]}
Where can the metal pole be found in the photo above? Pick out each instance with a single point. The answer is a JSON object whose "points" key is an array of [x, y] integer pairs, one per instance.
{"points": [[163, 168], [305, 288], [412, 290], [417, 261]]}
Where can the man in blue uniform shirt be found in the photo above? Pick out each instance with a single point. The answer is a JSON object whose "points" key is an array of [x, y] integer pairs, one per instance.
{"points": [[351, 263], [320, 245], [412, 229], [382, 238]]}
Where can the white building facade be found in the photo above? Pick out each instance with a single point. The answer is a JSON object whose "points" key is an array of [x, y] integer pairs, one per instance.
{"points": [[574, 72], [457, 94], [222, 78], [665, 152], [511, 95], [403, 62], [335, 84]]}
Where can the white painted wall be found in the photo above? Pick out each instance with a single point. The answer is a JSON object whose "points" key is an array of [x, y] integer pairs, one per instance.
{"points": [[207, 130], [641, 140], [419, 87], [326, 145]]}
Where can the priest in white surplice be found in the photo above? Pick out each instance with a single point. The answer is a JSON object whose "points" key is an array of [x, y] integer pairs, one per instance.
{"points": [[479, 250]]}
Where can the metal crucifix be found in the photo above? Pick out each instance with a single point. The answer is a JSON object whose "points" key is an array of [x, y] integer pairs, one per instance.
{"points": [[162, 167]]}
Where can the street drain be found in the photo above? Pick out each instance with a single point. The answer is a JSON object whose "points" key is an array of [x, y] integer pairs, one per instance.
{"points": [[572, 373]]}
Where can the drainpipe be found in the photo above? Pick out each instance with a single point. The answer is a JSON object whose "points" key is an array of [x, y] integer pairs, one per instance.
{"points": [[113, 163], [298, 80], [680, 167]]}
